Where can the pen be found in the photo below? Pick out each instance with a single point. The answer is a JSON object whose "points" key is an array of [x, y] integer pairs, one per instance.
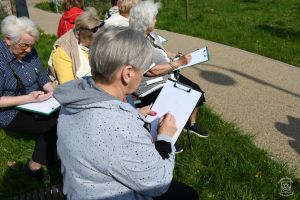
{"points": [[151, 112], [178, 55], [161, 120]]}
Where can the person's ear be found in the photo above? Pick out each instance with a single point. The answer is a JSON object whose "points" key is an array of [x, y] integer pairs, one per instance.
{"points": [[77, 33], [8, 41], [127, 73]]}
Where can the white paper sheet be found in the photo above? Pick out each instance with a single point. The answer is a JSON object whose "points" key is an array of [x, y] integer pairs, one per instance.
{"points": [[198, 56], [44, 108], [178, 100]]}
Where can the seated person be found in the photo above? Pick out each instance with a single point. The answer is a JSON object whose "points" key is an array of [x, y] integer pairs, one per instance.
{"points": [[106, 152], [72, 9], [143, 18], [24, 80], [69, 59], [113, 10], [121, 18]]}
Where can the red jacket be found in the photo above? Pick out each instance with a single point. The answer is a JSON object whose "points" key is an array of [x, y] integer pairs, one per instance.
{"points": [[67, 20]]}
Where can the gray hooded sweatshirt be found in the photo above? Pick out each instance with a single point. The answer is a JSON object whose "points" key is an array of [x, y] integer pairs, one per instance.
{"points": [[105, 151]]}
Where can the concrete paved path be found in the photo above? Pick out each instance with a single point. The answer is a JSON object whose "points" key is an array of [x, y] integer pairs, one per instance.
{"points": [[47, 21], [260, 95]]}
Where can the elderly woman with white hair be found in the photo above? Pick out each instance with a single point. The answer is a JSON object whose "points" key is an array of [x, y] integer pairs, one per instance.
{"points": [[143, 18], [24, 80], [69, 58], [121, 18], [105, 149]]}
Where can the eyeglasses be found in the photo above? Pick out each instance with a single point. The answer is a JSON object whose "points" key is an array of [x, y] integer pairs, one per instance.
{"points": [[95, 29], [25, 46]]}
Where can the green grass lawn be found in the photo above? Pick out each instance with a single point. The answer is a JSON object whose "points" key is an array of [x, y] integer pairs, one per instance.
{"points": [[266, 27], [227, 165], [44, 47], [101, 5]]}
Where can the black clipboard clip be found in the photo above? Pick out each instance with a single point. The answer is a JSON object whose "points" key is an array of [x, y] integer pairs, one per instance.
{"points": [[205, 52], [176, 85]]}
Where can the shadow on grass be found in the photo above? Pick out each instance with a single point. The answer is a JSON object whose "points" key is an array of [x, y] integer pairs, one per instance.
{"points": [[16, 135], [16, 182], [279, 32], [292, 129]]}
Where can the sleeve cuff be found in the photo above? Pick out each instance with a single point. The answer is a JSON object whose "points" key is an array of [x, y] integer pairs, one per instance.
{"points": [[164, 137]]}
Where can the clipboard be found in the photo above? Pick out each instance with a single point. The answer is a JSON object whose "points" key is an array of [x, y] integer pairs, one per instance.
{"points": [[177, 99], [45, 108], [198, 56]]}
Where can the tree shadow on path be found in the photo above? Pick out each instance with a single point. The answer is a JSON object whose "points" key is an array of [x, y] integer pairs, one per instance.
{"points": [[211, 78], [292, 129], [217, 78]]}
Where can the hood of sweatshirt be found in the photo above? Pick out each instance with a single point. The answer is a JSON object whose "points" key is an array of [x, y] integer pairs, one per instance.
{"points": [[72, 14], [80, 94]]}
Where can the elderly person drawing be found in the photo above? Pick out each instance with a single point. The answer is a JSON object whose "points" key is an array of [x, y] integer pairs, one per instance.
{"points": [[23, 80], [143, 18], [106, 152], [121, 18], [69, 59]]}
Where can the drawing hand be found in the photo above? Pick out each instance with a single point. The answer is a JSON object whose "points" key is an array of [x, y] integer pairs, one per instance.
{"points": [[185, 59], [167, 125]]}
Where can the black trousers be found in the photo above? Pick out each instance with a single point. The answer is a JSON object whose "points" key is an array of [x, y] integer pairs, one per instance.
{"points": [[43, 129], [150, 98], [179, 191]]}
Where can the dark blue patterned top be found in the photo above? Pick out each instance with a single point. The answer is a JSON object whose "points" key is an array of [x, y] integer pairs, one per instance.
{"points": [[31, 72]]}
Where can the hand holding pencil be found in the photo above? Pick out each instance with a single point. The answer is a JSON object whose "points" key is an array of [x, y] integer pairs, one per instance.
{"points": [[167, 125]]}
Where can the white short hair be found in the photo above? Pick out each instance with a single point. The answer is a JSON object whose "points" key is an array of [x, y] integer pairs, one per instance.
{"points": [[117, 46], [142, 15], [13, 27]]}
